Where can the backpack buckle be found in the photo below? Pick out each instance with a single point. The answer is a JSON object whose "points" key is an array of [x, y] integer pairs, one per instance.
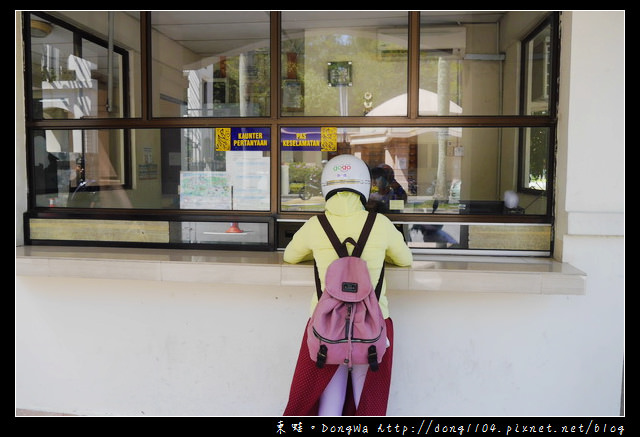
{"points": [[322, 356], [373, 358]]}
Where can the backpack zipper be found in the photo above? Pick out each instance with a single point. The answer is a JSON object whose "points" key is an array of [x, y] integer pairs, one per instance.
{"points": [[347, 333], [348, 328], [347, 321]]}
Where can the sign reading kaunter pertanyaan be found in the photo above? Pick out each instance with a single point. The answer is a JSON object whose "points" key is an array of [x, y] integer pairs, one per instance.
{"points": [[243, 138]]}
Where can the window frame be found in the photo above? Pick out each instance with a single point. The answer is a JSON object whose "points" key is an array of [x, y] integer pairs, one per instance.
{"points": [[78, 34], [523, 150], [276, 217], [55, 124]]}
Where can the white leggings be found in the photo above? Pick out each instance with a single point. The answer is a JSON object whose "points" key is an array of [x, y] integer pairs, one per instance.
{"points": [[333, 396]]}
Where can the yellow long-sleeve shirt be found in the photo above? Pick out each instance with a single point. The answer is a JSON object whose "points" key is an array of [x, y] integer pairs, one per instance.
{"points": [[347, 216]]}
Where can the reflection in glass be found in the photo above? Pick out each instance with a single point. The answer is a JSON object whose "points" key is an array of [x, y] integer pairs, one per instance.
{"points": [[537, 72], [433, 235], [210, 63], [424, 170], [534, 159], [537, 61], [443, 44], [342, 63], [80, 168], [191, 168], [73, 73], [468, 238], [387, 193], [219, 233], [469, 61]]}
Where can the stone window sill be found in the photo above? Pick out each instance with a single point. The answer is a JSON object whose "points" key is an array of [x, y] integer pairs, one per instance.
{"points": [[430, 273]]}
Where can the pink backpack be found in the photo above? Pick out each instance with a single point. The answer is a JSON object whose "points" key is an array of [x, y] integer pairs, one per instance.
{"points": [[347, 325]]}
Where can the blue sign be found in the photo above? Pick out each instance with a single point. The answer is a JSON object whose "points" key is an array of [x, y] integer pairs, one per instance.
{"points": [[243, 138], [308, 138]]}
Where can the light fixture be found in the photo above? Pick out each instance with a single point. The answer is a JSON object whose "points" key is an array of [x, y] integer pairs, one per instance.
{"points": [[40, 29]]}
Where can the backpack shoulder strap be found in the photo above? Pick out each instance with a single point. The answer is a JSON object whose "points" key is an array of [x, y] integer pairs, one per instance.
{"points": [[340, 247], [362, 240], [364, 235]]}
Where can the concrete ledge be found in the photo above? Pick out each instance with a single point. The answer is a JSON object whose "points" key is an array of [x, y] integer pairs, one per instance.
{"points": [[23, 412], [430, 273]]}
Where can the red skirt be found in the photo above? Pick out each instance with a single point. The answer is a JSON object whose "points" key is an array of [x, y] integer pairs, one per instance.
{"points": [[309, 382]]}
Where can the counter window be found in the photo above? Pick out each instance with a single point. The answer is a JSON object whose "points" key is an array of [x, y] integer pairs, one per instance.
{"points": [[186, 169], [195, 120], [441, 171]]}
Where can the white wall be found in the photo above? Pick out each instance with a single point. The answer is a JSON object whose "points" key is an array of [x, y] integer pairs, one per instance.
{"points": [[154, 348], [117, 347]]}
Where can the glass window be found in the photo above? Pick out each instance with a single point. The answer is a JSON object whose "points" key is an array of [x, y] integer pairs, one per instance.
{"points": [[210, 63], [186, 169], [469, 61], [79, 168], [414, 170], [459, 128], [343, 63], [534, 158], [427, 237], [247, 234], [74, 74], [241, 234], [536, 71]]}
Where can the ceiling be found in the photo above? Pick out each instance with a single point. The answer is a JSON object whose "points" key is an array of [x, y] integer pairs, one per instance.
{"points": [[212, 33], [209, 33]]}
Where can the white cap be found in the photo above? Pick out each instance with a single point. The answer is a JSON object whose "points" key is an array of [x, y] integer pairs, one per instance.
{"points": [[346, 173]]}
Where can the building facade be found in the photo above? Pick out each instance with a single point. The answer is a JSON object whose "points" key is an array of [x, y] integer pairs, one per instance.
{"points": [[122, 322]]}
